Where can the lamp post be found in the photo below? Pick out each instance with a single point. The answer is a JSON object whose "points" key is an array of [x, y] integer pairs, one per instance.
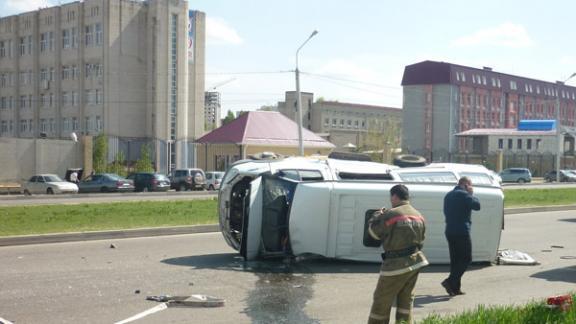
{"points": [[559, 136], [299, 98]]}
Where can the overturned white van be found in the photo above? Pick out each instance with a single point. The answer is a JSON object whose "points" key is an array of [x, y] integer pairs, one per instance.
{"points": [[300, 206]]}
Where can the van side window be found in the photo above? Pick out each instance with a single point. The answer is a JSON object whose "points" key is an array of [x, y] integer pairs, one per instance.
{"points": [[478, 178], [301, 175], [442, 177]]}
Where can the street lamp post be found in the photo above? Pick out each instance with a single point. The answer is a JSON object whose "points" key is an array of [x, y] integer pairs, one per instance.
{"points": [[299, 98], [559, 136]]}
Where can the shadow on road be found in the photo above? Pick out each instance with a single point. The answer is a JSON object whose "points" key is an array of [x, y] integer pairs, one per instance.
{"points": [[234, 262], [421, 300], [566, 274], [572, 220]]}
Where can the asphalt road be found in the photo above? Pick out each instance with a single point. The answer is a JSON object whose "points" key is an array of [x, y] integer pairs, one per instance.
{"points": [[90, 282], [22, 200]]}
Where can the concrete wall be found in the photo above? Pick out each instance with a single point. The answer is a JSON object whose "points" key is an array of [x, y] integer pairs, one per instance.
{"points": [[21, 158]]}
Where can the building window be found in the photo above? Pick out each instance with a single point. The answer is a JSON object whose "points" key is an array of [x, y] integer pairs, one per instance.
{"points": [[326, 121], [43, 42], [74, 124], [65, 124], [513, 85], [510, 143], [23, 126], [98, 96], [519, 144], [22, 46], [529, 144], [88, 36], [538, 141], [65, 98], [334, 122], [98, 34], [98, 124], [66, 39]]}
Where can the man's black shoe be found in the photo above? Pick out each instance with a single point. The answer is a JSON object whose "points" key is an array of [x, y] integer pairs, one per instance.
{"points": [[460, 292], [449, 290]]}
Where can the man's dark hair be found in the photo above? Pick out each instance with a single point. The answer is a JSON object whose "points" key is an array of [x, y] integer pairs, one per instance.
{"points": [[401, 191]]}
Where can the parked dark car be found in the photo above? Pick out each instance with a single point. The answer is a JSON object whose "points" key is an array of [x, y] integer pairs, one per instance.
{"points": [[149, 181], [187, 179], [105, 182], [565, 176]]}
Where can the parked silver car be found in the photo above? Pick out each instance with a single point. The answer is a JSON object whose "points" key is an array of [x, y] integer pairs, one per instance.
{"points": [[213, 180], [106, 182], [520, 175], [48, 184]]}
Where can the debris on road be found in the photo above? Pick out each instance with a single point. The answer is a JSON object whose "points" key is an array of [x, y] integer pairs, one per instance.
{"points": [[112, 246], [188, 301], [137, 291], [514, 257], [557, 246], [563, 302]]}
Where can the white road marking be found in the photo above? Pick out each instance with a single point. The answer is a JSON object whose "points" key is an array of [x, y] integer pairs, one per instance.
{"points": [[3, 321], [152, 310]]}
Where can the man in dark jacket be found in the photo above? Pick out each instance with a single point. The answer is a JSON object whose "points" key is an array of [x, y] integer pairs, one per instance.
{"points": [[401, 230], [458, 206]]}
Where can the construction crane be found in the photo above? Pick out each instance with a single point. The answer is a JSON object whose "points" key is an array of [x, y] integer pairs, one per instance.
{"points": [[219, 84]]}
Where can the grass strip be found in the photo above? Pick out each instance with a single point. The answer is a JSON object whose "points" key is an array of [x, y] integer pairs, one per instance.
{"points": [[535, 312], [25, 220], [539, 197]]}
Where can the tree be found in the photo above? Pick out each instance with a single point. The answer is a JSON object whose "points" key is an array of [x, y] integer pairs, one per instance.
{"points": [[118, 165], [229, 117], [144, 163], [100, 154], [381, 135]]}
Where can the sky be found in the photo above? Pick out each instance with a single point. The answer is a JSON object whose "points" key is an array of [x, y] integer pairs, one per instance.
{"points": [[362, 46]]}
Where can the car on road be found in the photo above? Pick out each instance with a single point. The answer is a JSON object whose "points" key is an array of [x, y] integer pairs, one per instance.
{"points": [[213, 180], [105, 182], [48, 184], [299, 206], [565, 176], [149, 181], [187, 179], [519, 175]]}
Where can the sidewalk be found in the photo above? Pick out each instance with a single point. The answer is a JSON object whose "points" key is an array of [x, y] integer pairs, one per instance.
{"points": [[179, 230]]}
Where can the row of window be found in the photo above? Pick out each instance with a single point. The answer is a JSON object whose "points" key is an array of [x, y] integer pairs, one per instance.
{"points": [[68, 98], [48, 125], [92, 37], [69, 72], [528, 87], [344, 124], [49, 20], [519, 144]]}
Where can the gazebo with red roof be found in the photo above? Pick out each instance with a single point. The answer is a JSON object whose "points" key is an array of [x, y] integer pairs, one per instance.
{"points": [[255, 132]]}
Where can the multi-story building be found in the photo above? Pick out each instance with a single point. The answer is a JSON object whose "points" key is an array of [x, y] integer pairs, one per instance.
{"points": [[444, 99], [133, 70], [363, 126], [212, 109]]}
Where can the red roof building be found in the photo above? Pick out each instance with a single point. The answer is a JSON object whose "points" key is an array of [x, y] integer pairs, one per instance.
{"points": [[255, 132]]}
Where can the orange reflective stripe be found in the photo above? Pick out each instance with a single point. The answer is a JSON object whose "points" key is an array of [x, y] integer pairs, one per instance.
{"points": [[399, 218]]}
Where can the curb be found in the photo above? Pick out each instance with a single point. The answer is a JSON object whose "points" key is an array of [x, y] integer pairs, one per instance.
{"points": [[118, 234], [179, 230]]}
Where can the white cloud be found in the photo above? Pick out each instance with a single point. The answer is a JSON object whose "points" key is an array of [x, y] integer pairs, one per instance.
{"points": [[505, 35], [12, 7], [218, 32]]}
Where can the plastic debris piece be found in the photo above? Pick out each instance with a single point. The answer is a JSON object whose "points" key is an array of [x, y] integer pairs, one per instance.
{"points": [[197, 301], [515, 258], [137, 291], [561, 302], [112, 246], [557, 246]]}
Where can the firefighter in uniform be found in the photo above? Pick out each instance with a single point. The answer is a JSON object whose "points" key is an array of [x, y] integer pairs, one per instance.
{"points": [[401, 230]]}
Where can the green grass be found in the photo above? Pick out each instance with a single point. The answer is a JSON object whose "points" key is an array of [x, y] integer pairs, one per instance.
{"points": [[535, 312], [539, 197], [25, 220]]}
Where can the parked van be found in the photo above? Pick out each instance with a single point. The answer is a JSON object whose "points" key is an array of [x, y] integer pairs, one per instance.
{"points": [[298, 206]]}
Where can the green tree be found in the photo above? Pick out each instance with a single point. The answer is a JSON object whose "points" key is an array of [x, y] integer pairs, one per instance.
{"points": [[100, 153], [118, 165], [144, 163], [229, 117]]}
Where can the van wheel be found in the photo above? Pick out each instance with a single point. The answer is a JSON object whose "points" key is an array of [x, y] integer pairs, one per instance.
{"points": [[182, 187], [145, 189], [521, 180], [27, 193], [211, 187], [50, 191], [104, 189]]}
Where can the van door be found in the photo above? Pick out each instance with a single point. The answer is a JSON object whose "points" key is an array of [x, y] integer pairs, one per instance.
{"points": [[252, 222]]}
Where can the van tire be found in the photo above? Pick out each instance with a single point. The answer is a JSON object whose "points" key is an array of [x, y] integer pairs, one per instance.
{"points": [[521, 180], [50, 191]]}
